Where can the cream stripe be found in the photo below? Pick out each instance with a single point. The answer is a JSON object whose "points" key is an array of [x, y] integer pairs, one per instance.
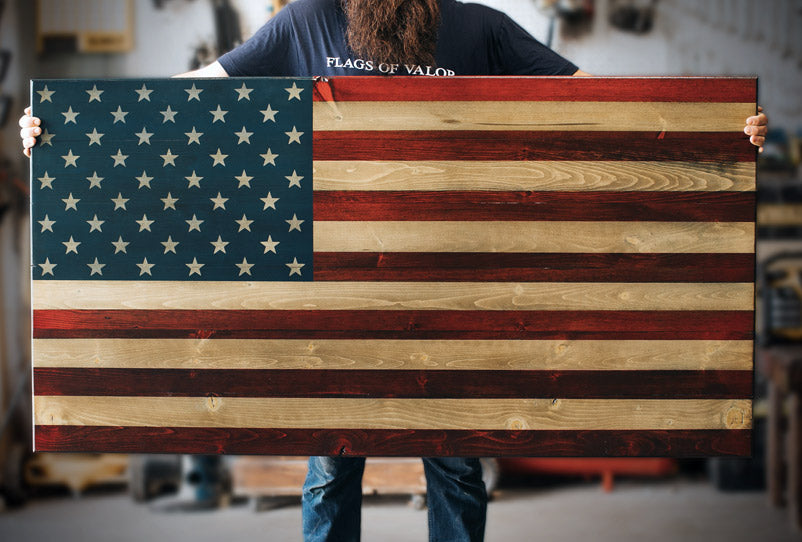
{"points": [[560, 236], [393, 354], [543, 176], [392, 296], [561, 116], [393, 413]]}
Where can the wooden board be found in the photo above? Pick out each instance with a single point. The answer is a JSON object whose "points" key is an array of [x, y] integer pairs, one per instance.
{"points": [[494, 266]]}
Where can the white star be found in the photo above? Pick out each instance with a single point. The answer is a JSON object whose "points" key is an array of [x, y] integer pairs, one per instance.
{"points": [[244, 179], [269, 114], [295, 267], [144, 93], [270, 201], [219, 202], [169, 202], [244, 267], [219, 158], [194, 93], [168, 114], [47, 181], [95, 224], [119, 202], [94, 137], [294, 223], [46, 137], [47, 267], [194, 136], [295, 136], [218, 114], [195, 267], [119, 245], [194, 224], [270, 245], [244, 136], [94, 180], [169, 158], [119, 115], [144, 136], [295, 179], [47, 224], [70, 203], [244, 223], [144, 224], [72, 245], [194, 180], [169, 245], [70, 159], [295, 92], [96, 267], [145, 267], [94, 94], [219, 245], [143, 179], [244, 92], [270, 158], [69, 116], [119, 158], [45, 97]]}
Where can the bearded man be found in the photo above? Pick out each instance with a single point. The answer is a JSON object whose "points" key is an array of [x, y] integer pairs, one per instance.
{"points": [[389, 37]]}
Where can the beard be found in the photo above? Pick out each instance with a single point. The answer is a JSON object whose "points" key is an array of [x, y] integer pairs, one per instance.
{"points": [[393, 31]]}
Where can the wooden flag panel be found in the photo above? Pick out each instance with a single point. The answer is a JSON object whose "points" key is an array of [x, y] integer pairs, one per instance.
{"points": [[499, 266]]}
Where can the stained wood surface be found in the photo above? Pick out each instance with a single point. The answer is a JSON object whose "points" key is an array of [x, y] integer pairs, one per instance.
{"points": [[395, 296], [346, 413], [541, 175], [532, 115], [405, 442], [442, 355], [502, 266]]}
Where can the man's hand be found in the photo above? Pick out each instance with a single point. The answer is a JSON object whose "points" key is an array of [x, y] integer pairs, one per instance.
{"points": [[30, 129], [756, 128]]}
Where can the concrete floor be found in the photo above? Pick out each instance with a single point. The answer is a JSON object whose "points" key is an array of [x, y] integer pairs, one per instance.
{"points": [[684, 510]]}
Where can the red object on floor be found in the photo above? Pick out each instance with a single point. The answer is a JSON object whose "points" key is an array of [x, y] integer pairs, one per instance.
{"points": [[606, 467]]}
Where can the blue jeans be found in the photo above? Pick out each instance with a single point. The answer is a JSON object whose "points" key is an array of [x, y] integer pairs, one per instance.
{"points": [[332, 499]]}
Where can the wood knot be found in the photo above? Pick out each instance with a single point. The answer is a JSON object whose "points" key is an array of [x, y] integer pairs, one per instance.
{"points": [[213, 403]]}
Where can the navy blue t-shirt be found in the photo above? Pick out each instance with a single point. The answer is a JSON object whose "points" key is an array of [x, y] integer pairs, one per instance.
{"points": [[307, 38]]}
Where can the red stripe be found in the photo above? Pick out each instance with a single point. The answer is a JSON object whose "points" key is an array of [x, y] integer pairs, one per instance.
{"points": [[401, 324], [577, 206], [568, 89], [409, 384], [527, 267], [539, 145], [380, 442]]}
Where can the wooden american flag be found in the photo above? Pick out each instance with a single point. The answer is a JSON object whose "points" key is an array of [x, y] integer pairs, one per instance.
{"points": [[502, 266]]}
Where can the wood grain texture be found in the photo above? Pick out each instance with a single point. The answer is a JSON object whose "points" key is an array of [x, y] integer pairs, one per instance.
{"points": [[529, 145], [389, 383], [541, 206], [548, 237], [408, 325], [345, 413], [392, 296], [542, 175], [523, 267], [532, 115], [613, 89], [378, 442], [393, 354]]}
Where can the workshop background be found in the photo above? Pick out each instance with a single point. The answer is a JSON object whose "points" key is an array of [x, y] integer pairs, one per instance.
{"points": [[92, 497]]}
